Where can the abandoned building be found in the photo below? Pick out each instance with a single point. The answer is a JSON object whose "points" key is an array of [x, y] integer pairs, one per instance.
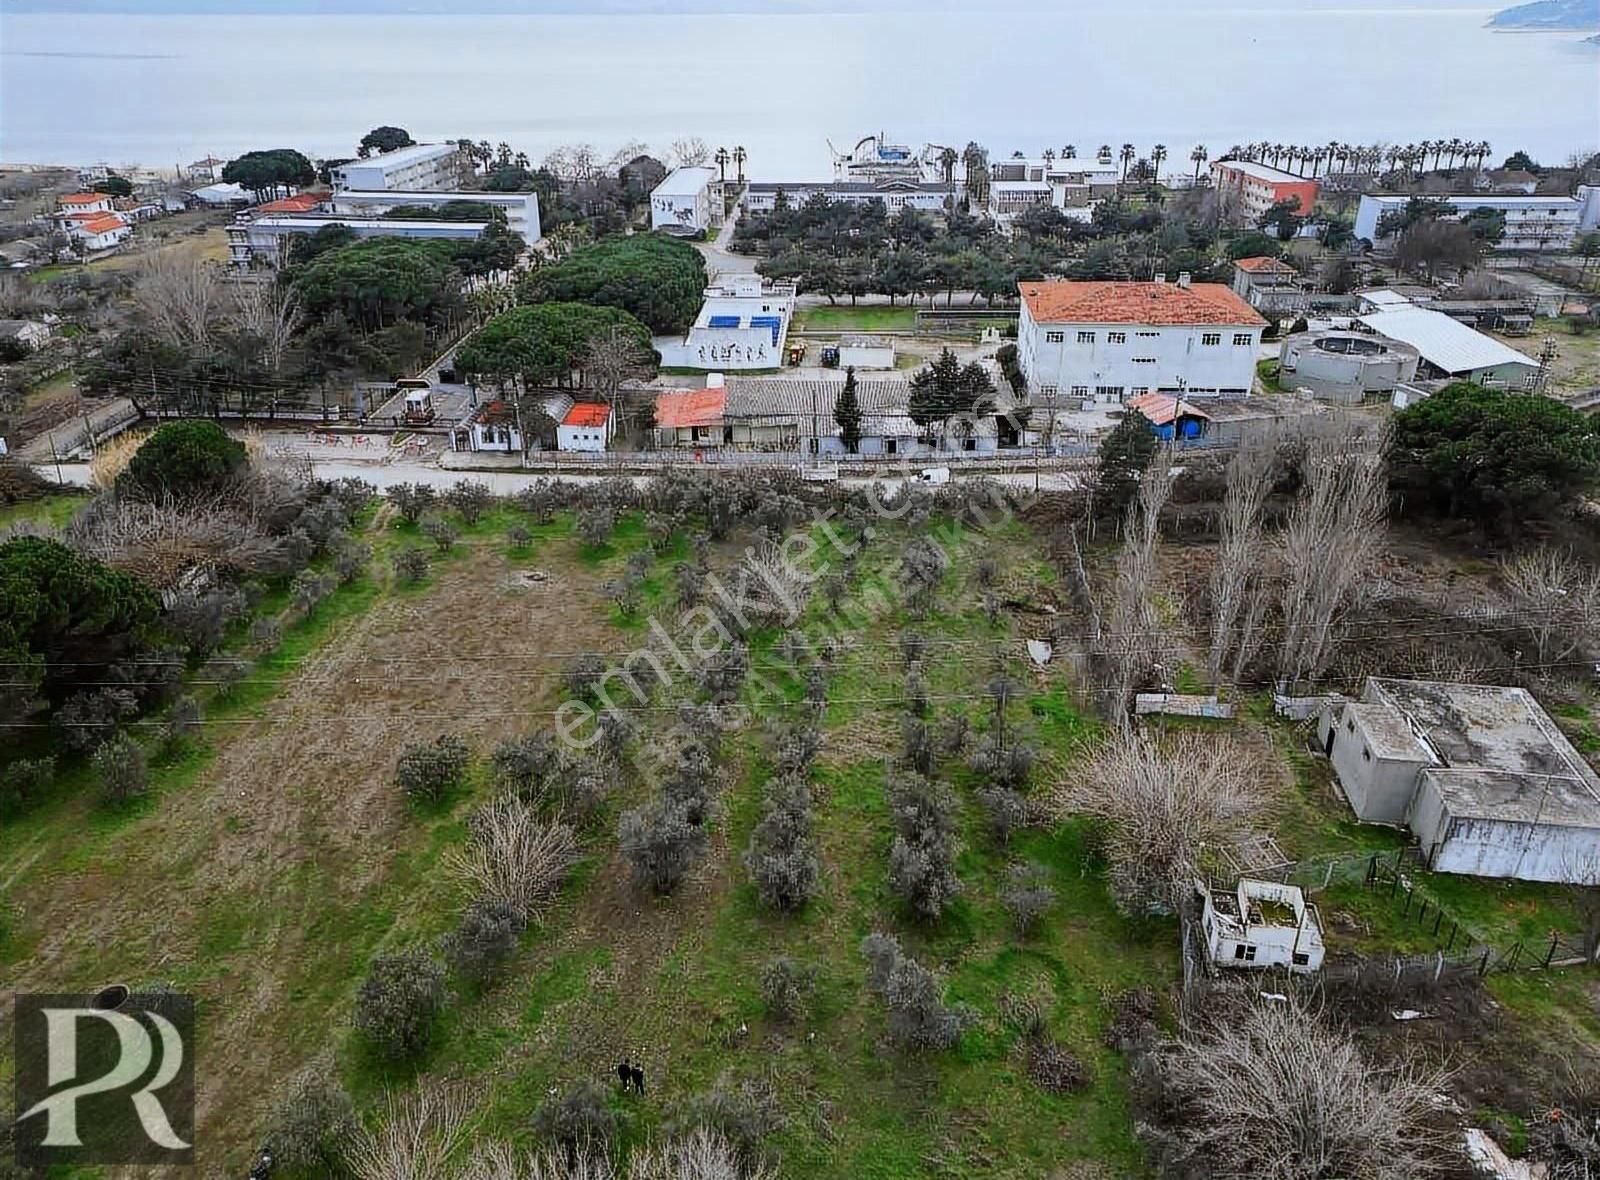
{"points": [[1261, 924], [1481, 775]]}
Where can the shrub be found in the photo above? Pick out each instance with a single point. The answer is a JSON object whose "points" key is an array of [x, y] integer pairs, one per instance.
{"points": [[913, 647], [484, 938], [691, 780], [782, 858], [411, 500], [184, 717], [1027, 895], [518, 537], [796, 749], [595, 524], [953, 734], [200, 618], [661, 844], [916, 748], [918, 1017], [313, 1126], [398, 1001], [183, 458], [266, 634], [309, 588], [786, 988], [120, 766], [23, 781], [1132, 1027], [88, 719], [228, 674], [723, 674], [442, 532], [583, 674], [742, 1112], [1006, 811], [922, 565], [916, 691], [922, 858], [1008, 767], [525, 765], [513, 858], [350, 559], [1054, 1068], [427, 771], [470, 498], [411, 565], [580, 1120]]}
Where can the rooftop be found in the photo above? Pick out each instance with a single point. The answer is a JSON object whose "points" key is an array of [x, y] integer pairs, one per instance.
{"points": [[103, 224], [1445, 343], [684, 182], [1265, 172], [694, 407], [417, 153], [299, 203], [1161, 408], [587, 414], [854, 186], [1498, 754], [290, 222], [1167, 304], [85, 198], [1269, 266]]}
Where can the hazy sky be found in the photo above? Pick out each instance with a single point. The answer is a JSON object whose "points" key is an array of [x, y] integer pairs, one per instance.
{"points": [[234, 7]]}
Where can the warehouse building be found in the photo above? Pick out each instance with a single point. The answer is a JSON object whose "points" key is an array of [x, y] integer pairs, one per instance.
{"points": [[1481, 775]]}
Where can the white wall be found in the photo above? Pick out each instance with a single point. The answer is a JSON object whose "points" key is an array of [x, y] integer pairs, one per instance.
{"points": [[1180, 358], [582, 438], [1379, 790], [1500, 848], [722, 348], [864, 357]]}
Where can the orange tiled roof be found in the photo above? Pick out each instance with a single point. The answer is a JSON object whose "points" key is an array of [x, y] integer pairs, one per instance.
{"points": [[299, 203], [85, 198], [104, 224], [587, 414], [696, 407], [1165, 304], [1161, 408], [1255, 265]]}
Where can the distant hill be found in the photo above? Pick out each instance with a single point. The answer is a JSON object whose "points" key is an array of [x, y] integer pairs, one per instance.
{"points": [[1550, 14]]}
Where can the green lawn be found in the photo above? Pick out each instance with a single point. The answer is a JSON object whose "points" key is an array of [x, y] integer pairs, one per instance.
{"points": [[876, 318], [54, 511]]}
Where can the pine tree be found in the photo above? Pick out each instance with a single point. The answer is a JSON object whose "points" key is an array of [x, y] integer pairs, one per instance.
{"points": [[1124, 455], [847, 413]]}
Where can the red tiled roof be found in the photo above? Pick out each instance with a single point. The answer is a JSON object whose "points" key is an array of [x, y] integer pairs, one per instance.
{"points": [[299, 203], [1161, 408], [587, 414], [697, 407], [104, 224], [96, 215], [1138, 303], [1254, 265], [85, 198]]}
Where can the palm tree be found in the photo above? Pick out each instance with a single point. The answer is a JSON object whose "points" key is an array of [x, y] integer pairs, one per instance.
{"points": [[1127, 157], [522, 161], [1290, 155], [947, 164], [722, 164], [739, 157], [1157, 155], [1069, 152], [1200, 155], [1103, 156], [1049, 156], [502, 154], [1318, 155]]}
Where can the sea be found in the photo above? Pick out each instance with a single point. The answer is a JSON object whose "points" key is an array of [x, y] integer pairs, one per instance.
{"points": [[163, 90]]}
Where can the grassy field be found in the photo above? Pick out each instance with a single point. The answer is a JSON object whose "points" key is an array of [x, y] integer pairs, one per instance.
{"points": [[876, 318], [54, 511]]}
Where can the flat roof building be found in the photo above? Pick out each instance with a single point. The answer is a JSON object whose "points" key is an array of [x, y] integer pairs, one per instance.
{"points": [[1450, 349], [1482, 776], [521, 209], [262, 241], [422, 167], [686, 200], [1248, 189], [1532, 223]]}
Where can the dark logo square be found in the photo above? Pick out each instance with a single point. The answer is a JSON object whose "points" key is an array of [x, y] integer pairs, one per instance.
{"points": [[105, 1078]]}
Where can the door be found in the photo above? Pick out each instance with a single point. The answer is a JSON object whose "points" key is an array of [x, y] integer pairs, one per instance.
{"points": [[1327, 746]]}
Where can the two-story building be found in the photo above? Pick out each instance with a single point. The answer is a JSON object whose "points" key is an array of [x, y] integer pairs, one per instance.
{"points": [[1270, 286], [264, 240], [686, 200], [1532, 223], [1106, 342], [422, 167], [1249, 188], [896, 194], [521, 209]]}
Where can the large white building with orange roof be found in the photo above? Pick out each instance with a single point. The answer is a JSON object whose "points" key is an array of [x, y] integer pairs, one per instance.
{"points": [[1107, 342]]}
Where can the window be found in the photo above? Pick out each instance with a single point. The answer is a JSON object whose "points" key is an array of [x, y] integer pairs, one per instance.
{"points": [[1047, 390], [1080, 391], [1350, 725], [1116, 337], [1139, 390], [1144, 360], [1210, 339], [1243, 339], [1148, 335], [1366, 754], [1085, 337], [1108, 393], [1245, 951], [1054, 337], [1300, 958]]}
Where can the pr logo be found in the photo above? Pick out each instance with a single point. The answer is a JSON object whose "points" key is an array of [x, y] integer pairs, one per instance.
{"points": [[105, 1079]]}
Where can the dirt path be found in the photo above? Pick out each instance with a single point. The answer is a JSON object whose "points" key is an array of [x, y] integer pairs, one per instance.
{"points": [[292, 855]]}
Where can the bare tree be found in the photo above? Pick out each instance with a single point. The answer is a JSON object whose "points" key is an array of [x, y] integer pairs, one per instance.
{"points": [[690, 152], [1238, 584], [179, 296], [611, 358], [1130, 639], [1270, 1092], [1557, 596], [416, 1137], [1168, 809], [1334, 532], [271, 313], [514, 858]]}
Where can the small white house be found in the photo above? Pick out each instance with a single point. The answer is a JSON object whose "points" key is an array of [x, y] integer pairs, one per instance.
{"points": [[743, 324], [33, 333], [684, 201], [493, 428], [865, 352], [1261, 924], [96, 232], [86, 203], [586, 427]]}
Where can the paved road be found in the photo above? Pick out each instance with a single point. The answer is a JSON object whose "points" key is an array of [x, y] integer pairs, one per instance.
{"points": [[72, 434]]}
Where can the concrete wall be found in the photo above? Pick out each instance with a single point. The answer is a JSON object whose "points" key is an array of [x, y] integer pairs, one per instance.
{"points": [[1499, 848], [1380, 790], [1345, 378], [733, 349], [863, 357]]}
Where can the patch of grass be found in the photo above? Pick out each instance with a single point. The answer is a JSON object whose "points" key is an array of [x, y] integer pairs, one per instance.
{"points": [[54, 511], [873, 318]]}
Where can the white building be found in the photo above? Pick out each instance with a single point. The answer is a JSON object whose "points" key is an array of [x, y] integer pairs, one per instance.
{"points": [[743, 324], [1482, 776], [866, 352], [1532, 223], [586, 427], [263, 241], [86, 203], [95, 232], [1448, 348], [1261, 924], [1007, 198], [521, 209], [1107, 342], [896, 195], [687, 199], [33, 333], [423, 167], [222, 193]]}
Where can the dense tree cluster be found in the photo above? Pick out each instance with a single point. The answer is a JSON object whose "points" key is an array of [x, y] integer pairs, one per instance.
{"points": [[657, 280], [544, 344], [266, 172]]}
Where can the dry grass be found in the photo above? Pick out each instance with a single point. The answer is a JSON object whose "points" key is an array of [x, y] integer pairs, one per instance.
{"points": [[112, 458], [513, 858]]}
